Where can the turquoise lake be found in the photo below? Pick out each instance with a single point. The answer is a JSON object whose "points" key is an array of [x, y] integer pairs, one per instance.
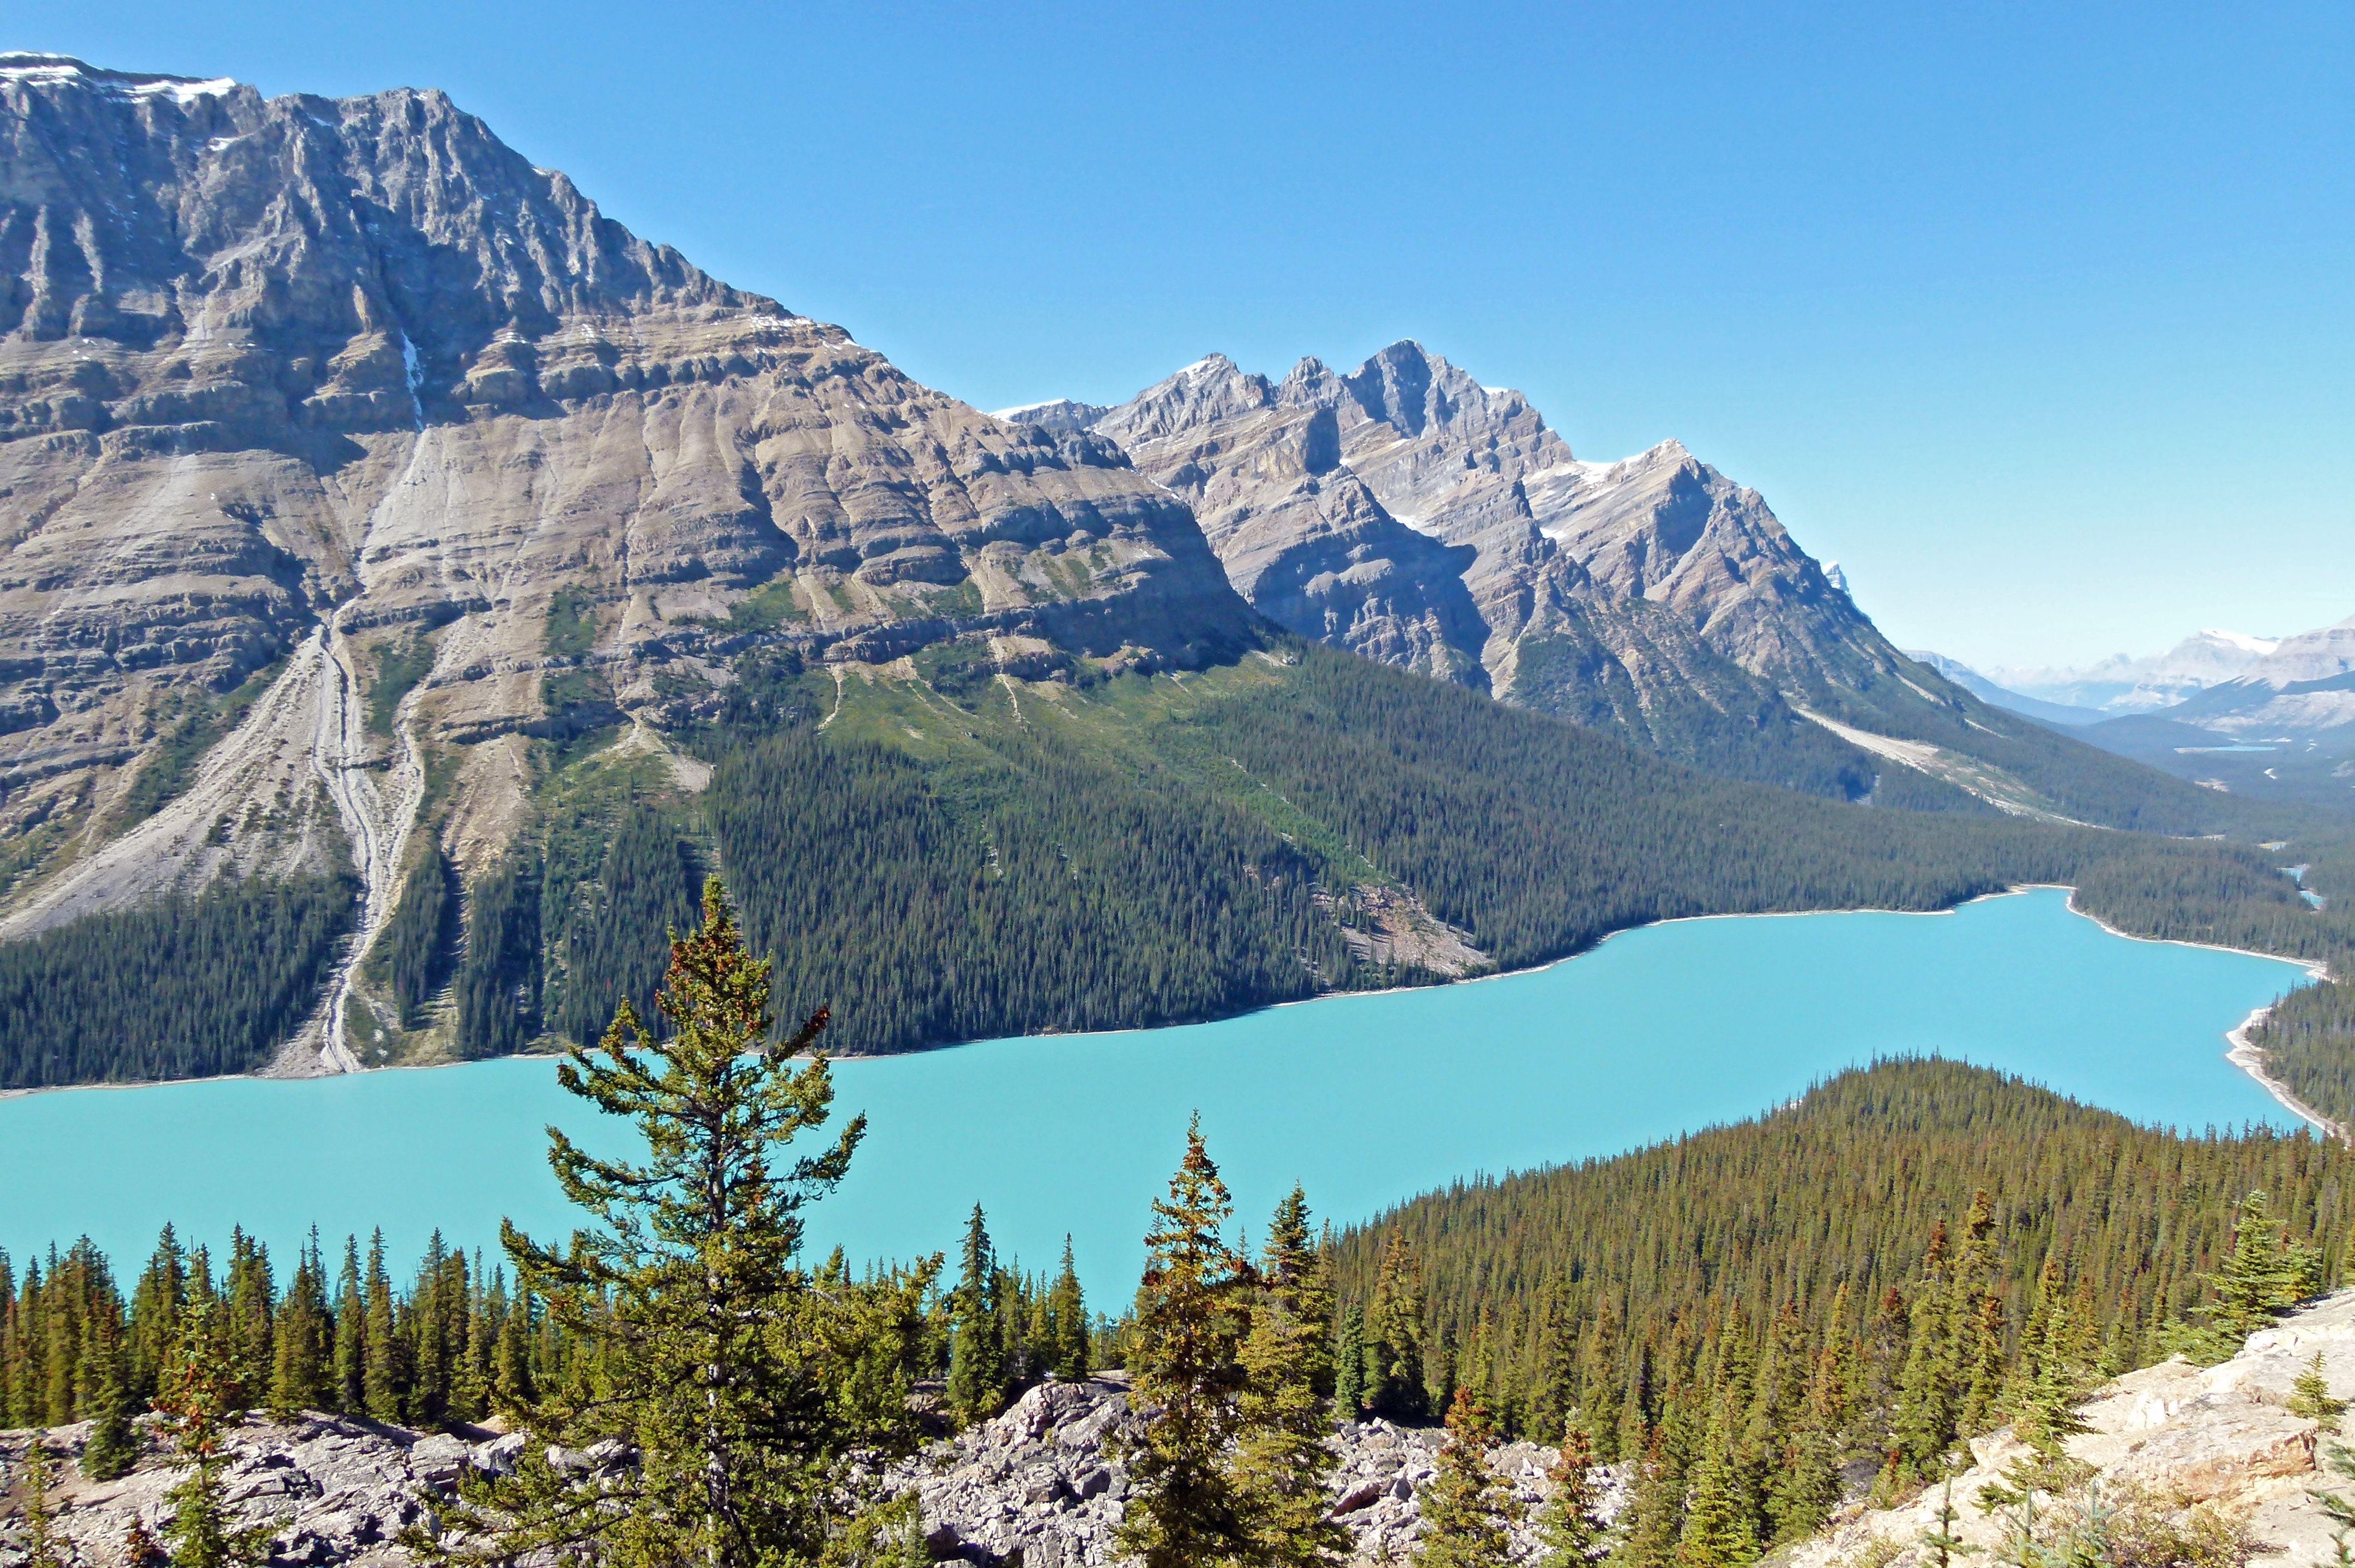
{"points": [[1366, 1099]]}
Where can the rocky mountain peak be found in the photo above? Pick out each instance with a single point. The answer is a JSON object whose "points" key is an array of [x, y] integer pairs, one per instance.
{"points": [[143, 207], [1209, 390], [287, 382], [1406, 511]]}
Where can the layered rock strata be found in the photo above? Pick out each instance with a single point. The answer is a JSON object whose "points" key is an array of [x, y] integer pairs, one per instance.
{"points": [[1405, 511], [289, 386]]}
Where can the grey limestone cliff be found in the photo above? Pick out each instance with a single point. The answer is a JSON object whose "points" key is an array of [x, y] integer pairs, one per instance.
{"points": [[1405, 511], [288, 384]]}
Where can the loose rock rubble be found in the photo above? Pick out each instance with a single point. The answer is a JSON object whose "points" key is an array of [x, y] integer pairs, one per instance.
{"points": [[1039, 1481], [2221, 1438], [339, 1489], [1038, 1484]]}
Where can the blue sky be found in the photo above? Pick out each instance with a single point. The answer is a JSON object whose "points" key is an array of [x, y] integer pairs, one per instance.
{"points": [[2040, 320]]}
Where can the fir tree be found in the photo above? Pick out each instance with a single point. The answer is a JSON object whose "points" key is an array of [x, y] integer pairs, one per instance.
{"points": [[155, 1303], [1468, 1511], [712, 1345], [1394, 1336], [1281, 1462], [113, 1444], [351, 1333], [41, 1546], [1720, 1505], [1717, 1530], [381, 1383], [2263, 1275], [1068, 1311], [198, 1394], [977, 1389], [140, 1547], [250, 1291], [2046, 1420], [1350, 1363], [1925, 1422], [302, 1349], [1941, 1542], [2310, 1396], [1183, 1510], [2051, 1293], [2339, 1461], [1654, 1515], [1570, 1528], [1984, 1370], [512, 1385]]}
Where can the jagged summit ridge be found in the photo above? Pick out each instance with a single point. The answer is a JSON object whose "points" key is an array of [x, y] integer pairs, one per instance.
{"points": [[22, 65], [353, 371], [1409, 512]]}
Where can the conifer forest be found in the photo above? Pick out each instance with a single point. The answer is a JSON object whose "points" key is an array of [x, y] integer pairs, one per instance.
{"points": [[720, 956]]}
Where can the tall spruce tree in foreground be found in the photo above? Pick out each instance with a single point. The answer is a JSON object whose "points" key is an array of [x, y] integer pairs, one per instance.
{"points": [[1069, 1312], [1281, 1462], [1185, 1510], [1468, 1511], [198, 1392], [711, 1343], [976, 1387]]}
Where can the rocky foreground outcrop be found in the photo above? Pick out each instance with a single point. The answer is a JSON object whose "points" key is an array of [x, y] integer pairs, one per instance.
{"points": [[1039, 1481], [1037, 1484], [2176, 1439], [2171, 1442]]}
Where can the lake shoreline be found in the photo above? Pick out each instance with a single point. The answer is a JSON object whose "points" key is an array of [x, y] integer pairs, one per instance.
{"points": [[2244, 1063], [2242, 1048], [2245, 1055], [1654, 1039]]}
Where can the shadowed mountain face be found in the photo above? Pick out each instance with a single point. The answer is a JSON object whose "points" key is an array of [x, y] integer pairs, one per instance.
{"points": [[316, 379]]}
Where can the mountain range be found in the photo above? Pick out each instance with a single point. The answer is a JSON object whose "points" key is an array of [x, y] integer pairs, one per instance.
{"points": [[2268, 717], [373, 507], [1408, 514], [2122, 685]]}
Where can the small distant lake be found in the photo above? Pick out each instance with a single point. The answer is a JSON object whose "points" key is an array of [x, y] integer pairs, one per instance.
{"points": [[1366, 1099]]}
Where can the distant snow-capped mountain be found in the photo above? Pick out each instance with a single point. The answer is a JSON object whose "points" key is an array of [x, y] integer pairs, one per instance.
{"points": [[2124, 684]]}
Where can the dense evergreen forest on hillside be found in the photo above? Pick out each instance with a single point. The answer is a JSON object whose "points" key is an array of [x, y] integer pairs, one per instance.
{"points": [[976, 857], [185, 988], [1054, 895], [2309, 1037], [1593, 1286]]}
